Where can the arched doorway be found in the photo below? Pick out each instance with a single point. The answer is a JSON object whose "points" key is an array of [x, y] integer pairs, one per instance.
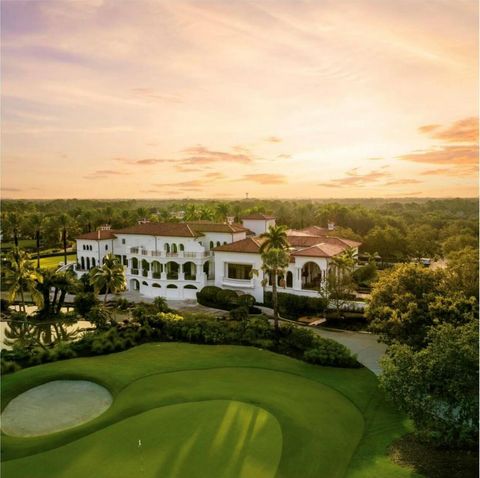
{"points": [[311, 276], [289, 282], [172, 269], [156, 269], [190, 271], [134, 285]]}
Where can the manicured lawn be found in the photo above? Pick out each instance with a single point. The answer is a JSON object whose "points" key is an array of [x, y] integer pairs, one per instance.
{"points": [[219, 411], [53, 262]]}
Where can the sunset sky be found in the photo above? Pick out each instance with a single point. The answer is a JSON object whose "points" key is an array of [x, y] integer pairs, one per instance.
{"points": [[280, 99]]}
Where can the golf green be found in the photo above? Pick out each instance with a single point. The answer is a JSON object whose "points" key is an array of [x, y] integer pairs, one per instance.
{"points": [[182, 410]]}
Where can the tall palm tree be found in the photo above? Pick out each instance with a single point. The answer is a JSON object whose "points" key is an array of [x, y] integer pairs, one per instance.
{"points": [[274, 238], [109, 276], [13, 223], [207, 213], [23, 276], [64, 222], [274, 263], [36, 221]]}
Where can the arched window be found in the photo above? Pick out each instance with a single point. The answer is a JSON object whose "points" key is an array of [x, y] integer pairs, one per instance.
{"points": [[190, 286], [156, 269], [88, 263], [172, 269], [167, 247], [218, 244], [93, 261], [158, 286], [182, 247], [174, 248], [83, 262], [145, 283], [225, 243], [172, 286], [211, 245], [190, 271], [289, 279], [134, 263]]}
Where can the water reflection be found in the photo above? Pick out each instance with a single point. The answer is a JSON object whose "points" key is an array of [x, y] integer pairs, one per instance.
{"points": [[28, 334]]}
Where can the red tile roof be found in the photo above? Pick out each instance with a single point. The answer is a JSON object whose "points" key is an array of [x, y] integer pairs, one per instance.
{"points": [[249, 245], [96, 235], [208, 226], [257, 216], [161, 229], [320, 250]]}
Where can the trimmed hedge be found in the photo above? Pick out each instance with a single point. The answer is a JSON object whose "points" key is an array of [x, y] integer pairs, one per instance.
{"points": [[168, 327], [225, 299], [294, 306]]}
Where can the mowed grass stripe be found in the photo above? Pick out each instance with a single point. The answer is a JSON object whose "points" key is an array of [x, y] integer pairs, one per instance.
{"points": [[309, 420]]}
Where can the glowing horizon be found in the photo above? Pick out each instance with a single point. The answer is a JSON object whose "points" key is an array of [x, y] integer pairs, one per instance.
{"points": [[287, 99]]}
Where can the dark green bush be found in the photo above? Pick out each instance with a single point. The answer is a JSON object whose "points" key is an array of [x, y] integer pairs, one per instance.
{"points": [[240, 313], [294, 306], [330, 353], [211, 296], [8, 366], [84, 302]]}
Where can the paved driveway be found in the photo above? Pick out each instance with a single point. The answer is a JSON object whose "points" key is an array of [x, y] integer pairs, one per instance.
{"points": [[365, 345]]}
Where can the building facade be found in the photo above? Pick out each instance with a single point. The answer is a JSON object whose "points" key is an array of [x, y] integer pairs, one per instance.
{"points": [[176, 260]]}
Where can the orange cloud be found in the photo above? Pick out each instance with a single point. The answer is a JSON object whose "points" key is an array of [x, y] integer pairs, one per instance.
{"points": [[201, 155], [265, 178], [464, 171], [401, 182], [273, 139], [462, 131], [445, 155], [353, 178]]}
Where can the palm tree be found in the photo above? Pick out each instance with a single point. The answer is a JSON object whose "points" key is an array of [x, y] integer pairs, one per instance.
{"points": [[23, 276], [13, 223], [191, 212], [64, 222], [275, 238], [222, 210], [206, 213], [275, 261], [36, 221], [109, 276]]}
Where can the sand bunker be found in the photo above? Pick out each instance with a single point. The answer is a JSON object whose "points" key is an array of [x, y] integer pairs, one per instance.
{"points": [[54, 406]]}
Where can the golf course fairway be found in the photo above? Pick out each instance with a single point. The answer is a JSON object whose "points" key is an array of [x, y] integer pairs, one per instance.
{"points": [[183, 410]]}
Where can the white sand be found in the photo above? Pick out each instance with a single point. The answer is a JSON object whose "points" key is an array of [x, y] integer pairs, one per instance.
{"points": [[54, 406]]}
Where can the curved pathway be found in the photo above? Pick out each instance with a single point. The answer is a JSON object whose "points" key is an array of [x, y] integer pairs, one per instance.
{"points": [[364, 344]]}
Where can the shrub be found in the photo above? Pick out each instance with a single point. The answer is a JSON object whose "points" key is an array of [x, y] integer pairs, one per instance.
{"points": [[8, 366], [123, 304], [84, 302], [327, 352], [240, 313], [294, 306], [212, 296], [161, 304], [100, 316]]}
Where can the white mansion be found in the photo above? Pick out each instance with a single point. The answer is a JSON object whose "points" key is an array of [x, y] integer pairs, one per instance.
{"points": [[175, 260]]}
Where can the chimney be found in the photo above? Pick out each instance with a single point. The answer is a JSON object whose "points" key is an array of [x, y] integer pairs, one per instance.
{"points": [[143, 221], [331, 226], [230, 219], [105, 227]]}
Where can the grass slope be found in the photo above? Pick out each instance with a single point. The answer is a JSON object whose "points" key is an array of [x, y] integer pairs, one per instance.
{"points": [[334, 422]]}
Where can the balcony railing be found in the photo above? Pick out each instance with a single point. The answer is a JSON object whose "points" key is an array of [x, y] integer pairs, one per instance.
{"points": [[145, 273], [134, 272], [172, 275], [247, 283], [156, 275], [156, 253], [134, 250]]}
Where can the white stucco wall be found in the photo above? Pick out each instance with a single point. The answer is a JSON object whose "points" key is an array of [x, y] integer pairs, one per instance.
{"points": [[258, 226]]}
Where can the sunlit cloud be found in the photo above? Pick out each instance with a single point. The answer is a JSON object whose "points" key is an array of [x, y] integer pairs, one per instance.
{"points": [[273, 139], [402, 182], [264, 178], [353, 178], [445, 155], [462, 131]]}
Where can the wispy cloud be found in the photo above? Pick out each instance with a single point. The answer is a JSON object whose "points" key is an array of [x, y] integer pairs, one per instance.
{"points": [[152, 95], [402, 182], [457, 171], [264, 178], [448, 155], [353, 178], [104, 173], [462, 131], [273, 139]]}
